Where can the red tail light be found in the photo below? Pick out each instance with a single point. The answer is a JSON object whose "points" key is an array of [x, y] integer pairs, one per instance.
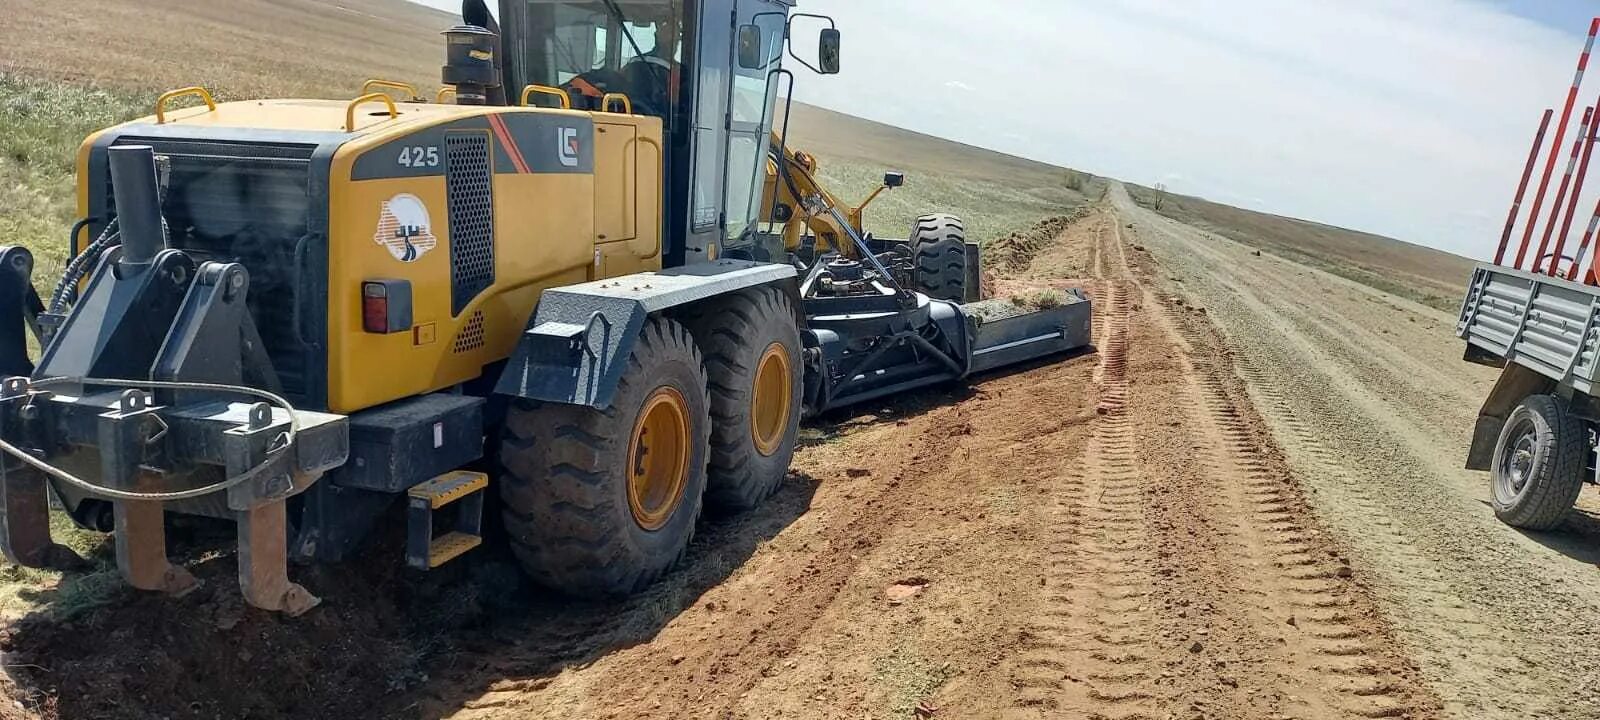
{"points": [[374, 308]]}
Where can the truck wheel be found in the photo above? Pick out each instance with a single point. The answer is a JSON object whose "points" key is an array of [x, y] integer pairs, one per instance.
{"points": [[601, 503], [752, 348], [1538, 464], [939, 257]]}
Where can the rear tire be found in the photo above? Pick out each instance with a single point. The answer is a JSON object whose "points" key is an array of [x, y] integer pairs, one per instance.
{"points": [[752, 348], [1538, 464], [939, 257], [601, 503]]}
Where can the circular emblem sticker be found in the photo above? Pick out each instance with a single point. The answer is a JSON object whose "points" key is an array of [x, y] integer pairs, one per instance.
{"points": [[404, 228]]}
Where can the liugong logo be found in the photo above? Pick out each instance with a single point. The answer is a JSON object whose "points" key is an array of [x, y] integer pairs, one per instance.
{"points": [[567, 141]]}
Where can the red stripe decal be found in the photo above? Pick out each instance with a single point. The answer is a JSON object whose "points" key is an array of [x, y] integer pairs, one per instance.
{"points": [[498, 124]]}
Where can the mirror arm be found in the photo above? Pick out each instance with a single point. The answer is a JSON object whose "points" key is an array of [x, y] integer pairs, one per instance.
{"points": [[874, 196], [788, 38]]}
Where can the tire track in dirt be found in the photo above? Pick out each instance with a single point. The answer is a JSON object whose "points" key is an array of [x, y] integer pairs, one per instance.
{"points": [[1291, 568], [1086, 652], [1497, 619], [675, 685], [1185, 574]]}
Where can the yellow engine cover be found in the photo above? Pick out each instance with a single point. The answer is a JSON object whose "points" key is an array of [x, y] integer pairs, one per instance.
{"points": [[479, 208]]}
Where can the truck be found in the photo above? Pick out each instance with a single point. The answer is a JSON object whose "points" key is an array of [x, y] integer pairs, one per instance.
{"points": [[1535, 315]]}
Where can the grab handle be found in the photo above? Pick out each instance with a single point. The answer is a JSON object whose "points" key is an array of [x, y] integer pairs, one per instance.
{"points": [[372, 86], [448, 90], [350, 111], [531, 90], [197, 91], [627, 105]]}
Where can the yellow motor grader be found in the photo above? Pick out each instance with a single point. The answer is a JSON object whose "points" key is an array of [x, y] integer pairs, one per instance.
{"points": [[596, 281]]}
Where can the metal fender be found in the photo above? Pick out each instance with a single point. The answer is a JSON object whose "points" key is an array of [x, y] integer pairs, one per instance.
{"points": [[578, 340]]}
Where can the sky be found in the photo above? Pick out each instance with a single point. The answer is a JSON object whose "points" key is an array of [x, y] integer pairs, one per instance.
{"points": [[1409, 119]]}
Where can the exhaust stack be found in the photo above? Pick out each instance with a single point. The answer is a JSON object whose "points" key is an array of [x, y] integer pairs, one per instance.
{"points": [[137, 193]]}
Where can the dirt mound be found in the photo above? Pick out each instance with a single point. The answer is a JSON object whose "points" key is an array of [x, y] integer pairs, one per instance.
{"points": [[377, 636], [1013, 252]]}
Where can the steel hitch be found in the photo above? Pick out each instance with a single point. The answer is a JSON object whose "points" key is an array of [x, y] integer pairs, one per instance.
{"points": [[135, 402], [149, 459]]}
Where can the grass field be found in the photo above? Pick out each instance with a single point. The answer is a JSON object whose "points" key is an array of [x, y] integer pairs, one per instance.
{"points": [[1429, 276]]}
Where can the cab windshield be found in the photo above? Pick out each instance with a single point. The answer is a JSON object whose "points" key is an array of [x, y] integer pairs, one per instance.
{"points": [[590, 48]]}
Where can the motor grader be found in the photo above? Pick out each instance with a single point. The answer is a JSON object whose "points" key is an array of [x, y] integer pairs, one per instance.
{"points": [[589, 274]]}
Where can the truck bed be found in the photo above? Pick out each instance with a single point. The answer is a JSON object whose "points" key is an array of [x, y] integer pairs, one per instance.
{"points": [[1543, 323]]}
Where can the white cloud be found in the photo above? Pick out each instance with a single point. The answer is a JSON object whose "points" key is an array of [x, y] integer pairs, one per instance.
{"points": [[1410, 119], [958, 85]]}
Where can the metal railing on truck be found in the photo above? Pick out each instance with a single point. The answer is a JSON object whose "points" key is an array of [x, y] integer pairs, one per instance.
{"points": [[1549, 325]]}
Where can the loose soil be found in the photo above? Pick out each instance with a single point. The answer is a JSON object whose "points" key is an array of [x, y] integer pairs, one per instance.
{"points": [[1117, 534]]}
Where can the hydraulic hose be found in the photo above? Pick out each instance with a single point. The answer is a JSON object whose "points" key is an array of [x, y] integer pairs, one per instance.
{"points": [[66, 288], [283, 443]]}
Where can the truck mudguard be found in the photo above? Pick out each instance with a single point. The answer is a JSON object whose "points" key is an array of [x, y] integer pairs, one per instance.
{"points": [[578, 340]]}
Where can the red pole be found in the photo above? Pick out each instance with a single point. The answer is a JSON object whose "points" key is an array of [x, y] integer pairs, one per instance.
{"points": [[1555, 147], [1522, 187], [1588, 141], [1583, 247], [1561, 192]]}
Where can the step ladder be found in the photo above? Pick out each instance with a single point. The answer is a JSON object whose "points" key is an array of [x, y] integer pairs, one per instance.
{"points": [[460, 488]]}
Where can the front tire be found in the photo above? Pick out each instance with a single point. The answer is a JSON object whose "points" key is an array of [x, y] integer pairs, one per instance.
{"points": [[752, 348], [601, 503], [1538, 464], [939, 257]]}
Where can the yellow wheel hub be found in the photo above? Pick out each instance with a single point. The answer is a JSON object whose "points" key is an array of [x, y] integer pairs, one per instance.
{"points": [[658, 458], [771, 400]]}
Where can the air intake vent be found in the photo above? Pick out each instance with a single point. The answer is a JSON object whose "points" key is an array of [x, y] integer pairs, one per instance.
{"points": [[467, 181], [471, 336]]}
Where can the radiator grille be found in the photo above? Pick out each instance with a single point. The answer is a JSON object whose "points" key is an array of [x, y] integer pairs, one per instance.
{"points": [[467, 182], [245, 202], [471, 336]]}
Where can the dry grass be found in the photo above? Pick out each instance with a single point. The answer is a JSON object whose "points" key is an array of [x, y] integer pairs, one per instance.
{"points": [[996, 194], [1429, 276], [245, 48], [1039, 299]]}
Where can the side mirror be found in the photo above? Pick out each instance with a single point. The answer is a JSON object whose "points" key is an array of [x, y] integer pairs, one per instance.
{"points": [[894, 180], [750, 47], [828, 52]]}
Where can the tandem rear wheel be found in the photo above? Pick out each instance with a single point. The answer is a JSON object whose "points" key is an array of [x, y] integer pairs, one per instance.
{"points": [[602, 502], [752, 348], [1539, 463]]}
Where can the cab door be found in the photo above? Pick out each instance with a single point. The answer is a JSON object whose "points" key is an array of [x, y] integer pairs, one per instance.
{"points": [[732, 117], [751, 96]]}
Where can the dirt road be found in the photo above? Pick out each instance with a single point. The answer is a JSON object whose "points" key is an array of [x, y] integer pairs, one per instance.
{"points": [[1369, 398], [1243, 505], [1112, 536]]}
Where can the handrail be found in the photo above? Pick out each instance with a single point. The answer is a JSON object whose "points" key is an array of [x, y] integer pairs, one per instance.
{"points": [[438, 97], [531, 90], [197, 91], [605, 103], [350, 110], [407, 88]]}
